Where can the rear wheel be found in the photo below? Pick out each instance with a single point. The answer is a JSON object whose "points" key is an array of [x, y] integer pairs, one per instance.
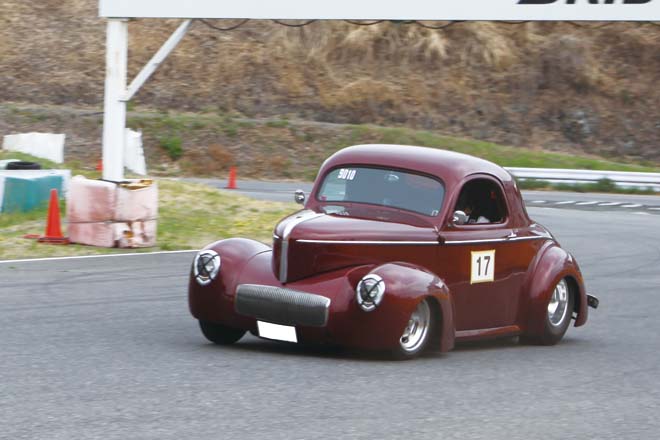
{"points": [[417, 333], [220, 334], [558, 315]]}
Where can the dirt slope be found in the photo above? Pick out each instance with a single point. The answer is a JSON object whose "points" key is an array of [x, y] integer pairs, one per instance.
{"points": [[549, 85]]}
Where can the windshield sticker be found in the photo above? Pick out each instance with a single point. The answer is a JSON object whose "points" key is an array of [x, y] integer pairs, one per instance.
{"points": [[347, 174]]}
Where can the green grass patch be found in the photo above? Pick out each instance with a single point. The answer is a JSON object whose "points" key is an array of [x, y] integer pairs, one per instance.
{"points": [[280, 123], [173, 146], [231, 130], [192, 215], [10, 220]]}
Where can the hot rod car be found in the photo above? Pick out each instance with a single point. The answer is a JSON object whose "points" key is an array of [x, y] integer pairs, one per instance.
{"points": [[399, 248]]}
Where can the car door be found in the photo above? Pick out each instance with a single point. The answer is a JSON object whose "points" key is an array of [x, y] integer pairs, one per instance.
{"points": [[484, 264]]}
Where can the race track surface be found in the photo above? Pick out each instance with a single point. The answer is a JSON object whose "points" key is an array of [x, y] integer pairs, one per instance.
{"points": [[104, 348]]}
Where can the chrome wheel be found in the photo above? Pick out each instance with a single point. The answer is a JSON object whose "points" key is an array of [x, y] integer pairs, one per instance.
{"points": [[416, 332], [558, 305]]}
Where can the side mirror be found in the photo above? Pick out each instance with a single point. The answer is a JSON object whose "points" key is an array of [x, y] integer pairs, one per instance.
{"points": [[460, 218], [299, 196]]}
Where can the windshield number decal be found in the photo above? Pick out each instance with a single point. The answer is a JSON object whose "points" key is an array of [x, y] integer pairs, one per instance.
{"points": [[482, 267], [347, 174]]}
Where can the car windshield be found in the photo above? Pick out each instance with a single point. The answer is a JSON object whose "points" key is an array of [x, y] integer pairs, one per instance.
{"points": [[383, 187]]}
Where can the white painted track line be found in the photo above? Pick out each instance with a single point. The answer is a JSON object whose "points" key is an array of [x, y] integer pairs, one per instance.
{"points": [[80, 257], [587, 203], [633, 205]]}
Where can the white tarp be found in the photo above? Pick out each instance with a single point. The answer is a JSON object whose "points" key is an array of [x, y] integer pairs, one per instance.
{"points": [[571, 10], [133, 152], [44, 145]]}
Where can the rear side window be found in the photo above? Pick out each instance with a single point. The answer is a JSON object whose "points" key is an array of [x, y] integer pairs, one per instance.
{"points": [[483, 202], [385, 187]]}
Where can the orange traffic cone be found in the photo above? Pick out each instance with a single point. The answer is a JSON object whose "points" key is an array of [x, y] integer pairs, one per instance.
{"points": [[53, 225], [231, 184]]}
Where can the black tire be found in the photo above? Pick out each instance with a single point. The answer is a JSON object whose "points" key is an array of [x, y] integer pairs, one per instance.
{"points": [[21, 165], [553, 332], [220, 334], [411, 348]]}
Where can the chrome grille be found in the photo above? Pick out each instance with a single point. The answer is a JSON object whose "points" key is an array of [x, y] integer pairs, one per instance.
{"points": [[282, 306]]}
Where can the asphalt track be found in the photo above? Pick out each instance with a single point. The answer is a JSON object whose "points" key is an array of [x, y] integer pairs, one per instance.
{"points": [[105, 348]]}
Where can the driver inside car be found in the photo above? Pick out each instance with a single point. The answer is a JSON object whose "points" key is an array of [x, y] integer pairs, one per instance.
{"points": [[467, 203]]}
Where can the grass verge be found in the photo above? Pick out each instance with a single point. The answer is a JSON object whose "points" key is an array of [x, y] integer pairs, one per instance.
{"points": [[190, 216]]}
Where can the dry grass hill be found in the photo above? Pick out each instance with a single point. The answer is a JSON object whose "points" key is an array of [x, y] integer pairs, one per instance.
{"points": [[557, 86]]}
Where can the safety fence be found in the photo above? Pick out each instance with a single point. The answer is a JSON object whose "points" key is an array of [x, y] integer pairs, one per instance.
{"points": [[623, 179]]}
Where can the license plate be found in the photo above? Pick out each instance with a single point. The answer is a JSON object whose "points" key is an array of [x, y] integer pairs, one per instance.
{"points": [[277, 332]]}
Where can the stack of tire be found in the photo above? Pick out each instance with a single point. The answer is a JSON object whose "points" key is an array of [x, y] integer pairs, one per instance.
{"points": [[22, 165]]}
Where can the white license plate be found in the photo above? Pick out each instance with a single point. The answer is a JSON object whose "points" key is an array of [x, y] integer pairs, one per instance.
{"points": [[277, 332]]}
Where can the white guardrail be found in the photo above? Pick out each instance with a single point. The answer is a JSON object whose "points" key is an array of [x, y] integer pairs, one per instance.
{"points": [[619, 178]]}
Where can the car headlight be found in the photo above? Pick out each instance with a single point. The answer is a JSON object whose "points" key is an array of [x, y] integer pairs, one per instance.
{"points": [[206, 266], [370, 291]]}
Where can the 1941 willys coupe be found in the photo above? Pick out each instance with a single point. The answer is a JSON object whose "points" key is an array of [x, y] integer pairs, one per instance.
{"points": [[399, 248]]}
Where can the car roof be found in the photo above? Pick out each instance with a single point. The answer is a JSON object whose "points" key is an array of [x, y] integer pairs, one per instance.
{"points": [[449, 166]]}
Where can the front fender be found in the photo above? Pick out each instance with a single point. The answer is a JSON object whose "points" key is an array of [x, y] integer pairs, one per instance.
{"points": [[552, 264], [406, 286], [214, 302]]}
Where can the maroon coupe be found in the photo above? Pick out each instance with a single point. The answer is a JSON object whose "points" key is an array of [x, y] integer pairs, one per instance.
{"points": [[399, 248]]}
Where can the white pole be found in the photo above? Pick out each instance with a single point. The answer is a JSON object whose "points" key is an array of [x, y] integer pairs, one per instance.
{"points": [[114, 119]]}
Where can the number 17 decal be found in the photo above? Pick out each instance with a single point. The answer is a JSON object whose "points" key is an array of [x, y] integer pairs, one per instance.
{"points": [[482, 267]]}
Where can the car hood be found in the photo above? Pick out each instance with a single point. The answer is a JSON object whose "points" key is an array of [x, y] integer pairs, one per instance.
{"points": [[309, 242]]}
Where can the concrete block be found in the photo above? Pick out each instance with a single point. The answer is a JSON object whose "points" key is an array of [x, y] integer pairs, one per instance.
{"points": [[108, 214]]}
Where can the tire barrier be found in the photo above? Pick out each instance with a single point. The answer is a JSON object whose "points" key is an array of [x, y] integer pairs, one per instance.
{"points": [[22, 165]]}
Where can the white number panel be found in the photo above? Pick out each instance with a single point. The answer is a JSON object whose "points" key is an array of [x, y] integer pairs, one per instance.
{"points": [[482, 267]]}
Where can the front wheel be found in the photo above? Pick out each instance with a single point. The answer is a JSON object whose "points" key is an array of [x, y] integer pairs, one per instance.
{"points": [[417, 333], [558, 315], [220, 334]]}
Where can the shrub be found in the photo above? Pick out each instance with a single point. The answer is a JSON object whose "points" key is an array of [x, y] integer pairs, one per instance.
{"points": [[172, 145]]}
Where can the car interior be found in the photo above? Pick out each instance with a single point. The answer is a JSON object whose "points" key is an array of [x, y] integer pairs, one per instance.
{"points": [[482, 201]]}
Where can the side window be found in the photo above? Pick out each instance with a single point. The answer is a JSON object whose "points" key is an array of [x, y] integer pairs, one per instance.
{"points": [[482, 201]]}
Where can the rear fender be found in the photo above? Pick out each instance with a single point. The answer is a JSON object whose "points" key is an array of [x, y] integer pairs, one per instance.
{"points": [[406, 286], [553, 263]]}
